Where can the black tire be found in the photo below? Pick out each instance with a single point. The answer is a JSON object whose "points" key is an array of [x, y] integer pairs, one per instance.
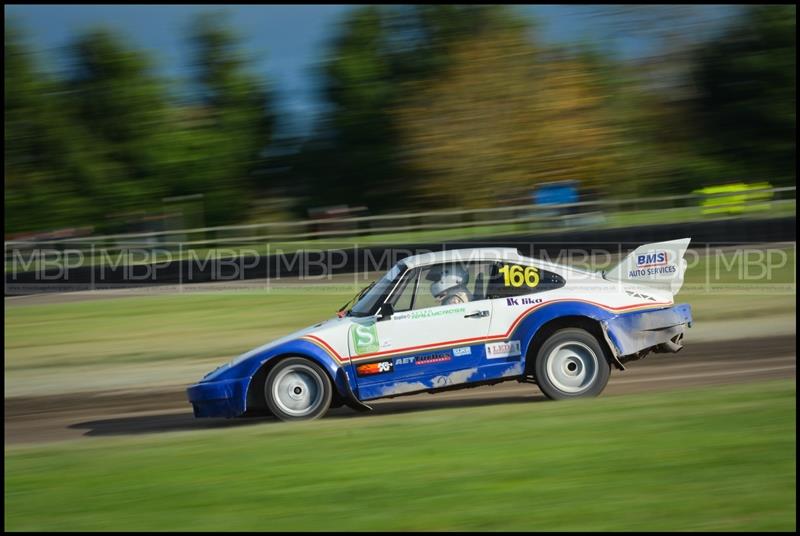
{"points": [[572, 364], [297, 389]]}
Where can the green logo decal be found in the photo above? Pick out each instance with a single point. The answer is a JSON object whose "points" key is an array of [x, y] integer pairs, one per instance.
{"points": [[365, 338]]}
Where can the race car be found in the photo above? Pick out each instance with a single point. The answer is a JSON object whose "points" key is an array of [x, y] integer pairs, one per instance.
{"points": [[462, 318]]}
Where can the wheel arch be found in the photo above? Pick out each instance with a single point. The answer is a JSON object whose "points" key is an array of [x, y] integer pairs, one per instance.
{"points": [[335, 371], [255, 391], [587, 323]]}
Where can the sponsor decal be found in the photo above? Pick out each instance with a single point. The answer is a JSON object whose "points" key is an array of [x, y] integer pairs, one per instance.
{"points": [[496, 350], [365, 338], [431, 312], [429, 359], [523, 301], [642, 272], [370, 369], [650, 259], [653, 263]]}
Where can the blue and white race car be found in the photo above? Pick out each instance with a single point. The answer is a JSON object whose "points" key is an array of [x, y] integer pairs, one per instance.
{"points": [[460, 318]]}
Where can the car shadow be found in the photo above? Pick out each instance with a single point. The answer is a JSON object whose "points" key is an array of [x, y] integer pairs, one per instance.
{"points": [[184, 421]]}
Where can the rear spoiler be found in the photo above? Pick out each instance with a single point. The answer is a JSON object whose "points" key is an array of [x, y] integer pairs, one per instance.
{"points": [[659, 265]]}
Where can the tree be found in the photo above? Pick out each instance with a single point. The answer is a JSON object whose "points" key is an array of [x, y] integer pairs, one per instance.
{"points": [[235, 126], [352, 159], [503, 117], [356, 156], [746, 80], [122, 106], [43, 157], [105, 141]]}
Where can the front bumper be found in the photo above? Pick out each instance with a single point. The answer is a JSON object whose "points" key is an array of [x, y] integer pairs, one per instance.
{"points": [[661, 330], [223, 398]]}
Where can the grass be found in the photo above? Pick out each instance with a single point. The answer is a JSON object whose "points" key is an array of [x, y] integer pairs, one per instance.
{"points": [[155, 328], [720, 458], [746, 284]]}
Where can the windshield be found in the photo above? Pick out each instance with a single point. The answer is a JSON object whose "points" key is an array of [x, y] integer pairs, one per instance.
{"points": [[368, 303]]}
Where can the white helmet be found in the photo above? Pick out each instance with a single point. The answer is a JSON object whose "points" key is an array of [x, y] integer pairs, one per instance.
{"points": [[449, 277]]}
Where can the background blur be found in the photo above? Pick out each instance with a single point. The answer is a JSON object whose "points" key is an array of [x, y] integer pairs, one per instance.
{"points": [[114, 115], [143, 142]]}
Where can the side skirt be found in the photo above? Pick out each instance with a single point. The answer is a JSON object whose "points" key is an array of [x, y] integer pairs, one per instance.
{"points": [[458, 387]]}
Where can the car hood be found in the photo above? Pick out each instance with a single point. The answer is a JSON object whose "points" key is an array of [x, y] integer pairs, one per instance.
{"points": [[325, 325], [320, 326]]}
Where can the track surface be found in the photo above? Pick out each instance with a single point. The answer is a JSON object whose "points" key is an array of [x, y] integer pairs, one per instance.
{"points": [[70, 416]]}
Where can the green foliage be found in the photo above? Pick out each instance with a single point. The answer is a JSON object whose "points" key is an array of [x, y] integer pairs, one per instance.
{"points": [[106, 143], [116, 99], [237, 122], [357, 157], [503, 117], [747, 94], [419, 99], [44, 177], [353, 160]]}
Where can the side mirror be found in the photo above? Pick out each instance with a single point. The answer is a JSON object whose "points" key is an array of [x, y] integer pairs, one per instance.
{"points": [[386, 311]]}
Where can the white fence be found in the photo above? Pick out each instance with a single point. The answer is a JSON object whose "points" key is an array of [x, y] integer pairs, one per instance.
{"points": [[473, 222]]}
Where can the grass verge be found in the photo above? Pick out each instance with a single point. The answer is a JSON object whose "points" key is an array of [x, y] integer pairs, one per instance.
{"points": [[719, 458]]}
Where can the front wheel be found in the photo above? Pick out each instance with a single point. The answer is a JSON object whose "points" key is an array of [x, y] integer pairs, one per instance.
{"points": [[571, 364], [297, 389]]}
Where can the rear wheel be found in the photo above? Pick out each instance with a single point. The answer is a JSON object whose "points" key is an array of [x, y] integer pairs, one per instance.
{"points": [[297, 389], [571, 364]]}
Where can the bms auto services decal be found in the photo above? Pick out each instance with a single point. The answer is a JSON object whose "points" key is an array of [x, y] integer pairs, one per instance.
{"points": [[653, 263]]}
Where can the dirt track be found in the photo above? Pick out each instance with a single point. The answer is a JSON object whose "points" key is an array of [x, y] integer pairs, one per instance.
{"points": [[60, 417]]}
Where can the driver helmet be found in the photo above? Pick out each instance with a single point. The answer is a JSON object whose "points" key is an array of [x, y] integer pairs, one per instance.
{"points": [[449, 277]]}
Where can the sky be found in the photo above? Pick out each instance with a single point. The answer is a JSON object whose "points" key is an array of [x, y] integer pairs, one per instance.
{"points": [[285, 42]]}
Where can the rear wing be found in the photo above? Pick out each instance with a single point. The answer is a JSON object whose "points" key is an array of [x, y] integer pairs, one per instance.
{"points": [[659, 265]]}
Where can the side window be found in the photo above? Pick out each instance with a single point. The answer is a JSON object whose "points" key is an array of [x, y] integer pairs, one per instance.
{"points": [[424, 297], [481, 274], [510, 279], [443, 284], [404, 296]]}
